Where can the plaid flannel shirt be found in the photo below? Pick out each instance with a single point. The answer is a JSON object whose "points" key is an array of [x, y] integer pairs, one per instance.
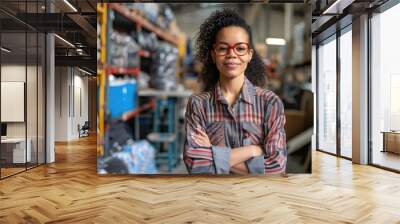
{"points": [[257, 118]]}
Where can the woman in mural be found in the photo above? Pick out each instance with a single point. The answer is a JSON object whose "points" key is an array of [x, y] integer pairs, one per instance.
{"points": [[234, 125]]}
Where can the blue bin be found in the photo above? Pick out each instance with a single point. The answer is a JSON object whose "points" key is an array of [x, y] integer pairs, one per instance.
{"points": [[122, 96]]}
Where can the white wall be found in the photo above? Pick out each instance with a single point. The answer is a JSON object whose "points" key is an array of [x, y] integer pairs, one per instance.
{"points": [[61, 103], [80, 94], [71, 94], [33, 127], [16, 73]]}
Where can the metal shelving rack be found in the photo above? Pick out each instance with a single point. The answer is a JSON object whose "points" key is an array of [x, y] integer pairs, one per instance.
{"points": [[105, 15], [142, 22], [101, 76]]}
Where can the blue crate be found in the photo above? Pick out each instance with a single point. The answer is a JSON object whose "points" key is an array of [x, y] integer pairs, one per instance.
{"points": [[122, 97]]}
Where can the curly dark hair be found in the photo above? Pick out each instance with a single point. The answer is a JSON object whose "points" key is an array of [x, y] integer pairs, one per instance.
{"points": [[209, 76]]}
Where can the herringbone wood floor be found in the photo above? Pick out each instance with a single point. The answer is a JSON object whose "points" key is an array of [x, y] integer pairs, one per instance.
{"points": [[70, 191]]}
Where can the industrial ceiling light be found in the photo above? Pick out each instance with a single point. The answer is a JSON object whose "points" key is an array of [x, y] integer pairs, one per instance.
{"points": [[65, 41], [86, 72], [337, 7], [70, 5], [275, 41], [79, 51], [5, 50]]}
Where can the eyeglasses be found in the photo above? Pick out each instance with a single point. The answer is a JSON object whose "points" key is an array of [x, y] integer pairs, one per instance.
{"points": [[240, 49]]}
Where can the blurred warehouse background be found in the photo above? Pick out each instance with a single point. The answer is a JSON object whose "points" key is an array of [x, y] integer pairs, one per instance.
{"points": [[146, 72]]}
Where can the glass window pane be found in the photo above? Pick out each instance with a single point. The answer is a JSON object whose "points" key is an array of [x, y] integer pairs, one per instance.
{"points": [[31, 97], [327, 97], [14, 152], [22, 72], [41, 99], [386, 88], [346, 94]]}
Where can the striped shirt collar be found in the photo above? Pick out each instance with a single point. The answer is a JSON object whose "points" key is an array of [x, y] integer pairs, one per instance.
{"points": [[247, 93]]}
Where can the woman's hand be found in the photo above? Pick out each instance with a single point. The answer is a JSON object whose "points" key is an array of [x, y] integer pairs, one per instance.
{"points": [[240, 168], [200, 138]]}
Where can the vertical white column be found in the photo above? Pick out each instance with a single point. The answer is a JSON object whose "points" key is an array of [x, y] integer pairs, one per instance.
{"points": [[360, 90], [50, 93]]}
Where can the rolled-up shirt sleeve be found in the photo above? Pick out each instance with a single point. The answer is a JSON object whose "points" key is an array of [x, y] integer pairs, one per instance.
{"points": [[255, 165], [200, 159], [275, 140], [222, 157]]}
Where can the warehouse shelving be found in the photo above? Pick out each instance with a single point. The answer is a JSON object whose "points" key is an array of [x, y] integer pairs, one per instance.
{"points": [[102, 20], [105, 69], [143, 22], [132, 20]]}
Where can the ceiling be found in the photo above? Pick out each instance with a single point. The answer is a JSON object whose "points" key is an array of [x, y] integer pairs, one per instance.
{"points": [[18, 17]]}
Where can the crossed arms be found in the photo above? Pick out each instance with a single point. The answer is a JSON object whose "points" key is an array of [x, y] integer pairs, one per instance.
{"points": [[200, 156]]}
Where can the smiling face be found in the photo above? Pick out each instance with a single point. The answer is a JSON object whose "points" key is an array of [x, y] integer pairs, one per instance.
{"points": [[231, 52]]}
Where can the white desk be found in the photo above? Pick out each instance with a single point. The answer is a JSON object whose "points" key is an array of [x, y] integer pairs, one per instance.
{"points": [[19, 149]]}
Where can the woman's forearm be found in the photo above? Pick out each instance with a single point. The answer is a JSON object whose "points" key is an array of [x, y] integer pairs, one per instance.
{"points": [[242, 154], [238, 155]]}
